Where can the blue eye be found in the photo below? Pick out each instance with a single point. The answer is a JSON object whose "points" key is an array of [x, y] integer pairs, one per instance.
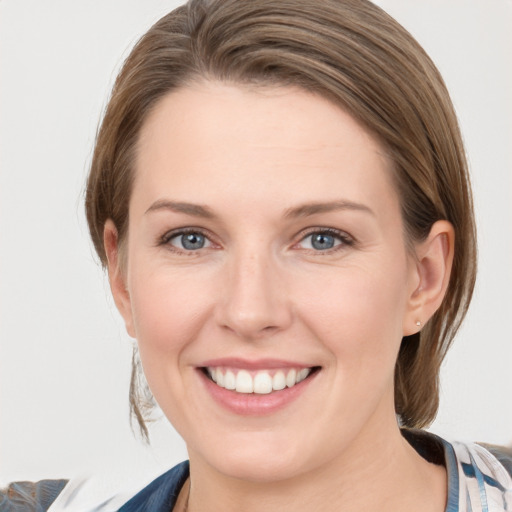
{"points": [[324, 240], [191, 241]]}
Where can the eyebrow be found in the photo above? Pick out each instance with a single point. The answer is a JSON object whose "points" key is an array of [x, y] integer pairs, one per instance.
{"points": [[195, 210], [308, 209], [304, 210]]}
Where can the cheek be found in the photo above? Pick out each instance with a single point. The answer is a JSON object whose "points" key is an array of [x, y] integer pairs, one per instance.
{"points": [[358, 315], [168, 308]]}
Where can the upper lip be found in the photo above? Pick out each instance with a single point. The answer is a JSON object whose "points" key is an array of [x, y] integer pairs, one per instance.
{"points": [[255, 364]]}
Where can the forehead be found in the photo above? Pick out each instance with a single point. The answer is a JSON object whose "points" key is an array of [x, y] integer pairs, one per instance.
{"points": [[250, 142]]}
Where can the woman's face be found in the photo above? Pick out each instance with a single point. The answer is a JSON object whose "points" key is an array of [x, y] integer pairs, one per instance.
{"points": [[265, 246]]}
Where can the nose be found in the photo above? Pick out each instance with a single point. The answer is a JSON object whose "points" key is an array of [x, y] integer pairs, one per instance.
{"points": [[253, 302]]}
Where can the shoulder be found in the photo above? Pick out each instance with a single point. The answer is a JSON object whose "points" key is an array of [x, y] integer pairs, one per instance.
{"points": [[502, 453], [479, 476], [30, 496], [484, 475], [99, 493], [489, 459]]}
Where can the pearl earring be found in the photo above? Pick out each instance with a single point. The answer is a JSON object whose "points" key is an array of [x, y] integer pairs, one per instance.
{"points": [[418, 323]]}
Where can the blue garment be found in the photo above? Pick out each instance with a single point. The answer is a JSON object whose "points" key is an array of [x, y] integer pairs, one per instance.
{"points": [[160, 494]]}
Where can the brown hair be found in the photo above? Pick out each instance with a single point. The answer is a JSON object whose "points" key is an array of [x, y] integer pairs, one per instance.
{"points": [[357, 56]]}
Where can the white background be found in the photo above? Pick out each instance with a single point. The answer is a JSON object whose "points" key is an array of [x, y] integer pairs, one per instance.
{"points": [[65, 359]]}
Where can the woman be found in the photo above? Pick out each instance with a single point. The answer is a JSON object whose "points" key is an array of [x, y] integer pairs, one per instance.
{"points": [[280, 196]]}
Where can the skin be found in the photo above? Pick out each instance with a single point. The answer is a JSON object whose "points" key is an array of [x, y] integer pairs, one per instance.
{"points": [[259, 289]]}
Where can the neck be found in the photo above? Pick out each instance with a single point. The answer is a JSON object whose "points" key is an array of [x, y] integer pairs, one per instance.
{"points": [[377, 472]]}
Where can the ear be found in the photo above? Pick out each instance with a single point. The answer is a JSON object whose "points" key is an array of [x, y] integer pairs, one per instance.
{"points": [[430, 276], [116, 276]]}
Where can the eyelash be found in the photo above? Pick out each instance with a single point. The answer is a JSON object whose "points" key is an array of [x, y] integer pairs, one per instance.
{"points": [[345, 239]]}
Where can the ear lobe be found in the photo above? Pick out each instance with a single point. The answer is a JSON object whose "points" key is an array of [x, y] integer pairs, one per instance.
{"points": [[434, 258], [116, 276]]}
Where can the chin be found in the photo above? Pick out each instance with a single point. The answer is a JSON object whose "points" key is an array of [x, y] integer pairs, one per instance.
{"points": [[260, 468], [259, 459]]}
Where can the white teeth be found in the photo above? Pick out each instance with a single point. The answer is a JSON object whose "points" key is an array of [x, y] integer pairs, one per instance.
{"points": [[279, 381], [301, 375], [244, 382], [291, 378], [261, 383], [230, 380]]}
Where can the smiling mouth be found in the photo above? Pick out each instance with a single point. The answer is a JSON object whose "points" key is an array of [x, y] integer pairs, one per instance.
{"points": [[260, 382]]}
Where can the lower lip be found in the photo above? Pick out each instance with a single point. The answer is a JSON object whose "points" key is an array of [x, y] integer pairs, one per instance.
{"points": [[254, 404]]}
